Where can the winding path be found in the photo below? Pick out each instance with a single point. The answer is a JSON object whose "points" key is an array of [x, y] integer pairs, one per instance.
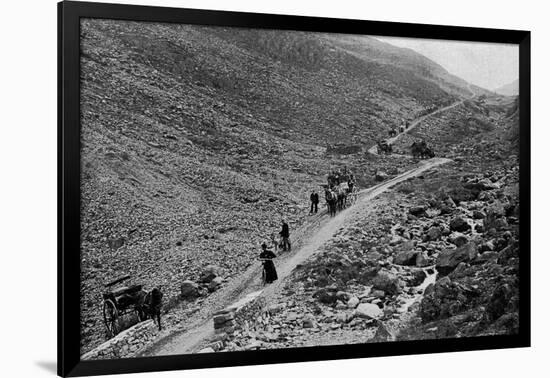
{"points": [[247, 286], [190, 339], [419, 120]]}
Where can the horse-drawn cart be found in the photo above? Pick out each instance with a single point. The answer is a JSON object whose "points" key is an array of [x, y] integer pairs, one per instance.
{"points": [[119, 302]]}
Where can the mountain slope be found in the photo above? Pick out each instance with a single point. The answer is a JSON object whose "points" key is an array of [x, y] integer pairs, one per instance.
{"points": [[196, 141]]}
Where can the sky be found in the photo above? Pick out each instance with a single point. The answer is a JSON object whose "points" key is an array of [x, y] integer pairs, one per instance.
{"points": [[488, 65]]}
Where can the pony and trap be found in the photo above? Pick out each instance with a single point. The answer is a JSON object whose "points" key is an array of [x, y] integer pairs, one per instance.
{"points": [[124, 301]]}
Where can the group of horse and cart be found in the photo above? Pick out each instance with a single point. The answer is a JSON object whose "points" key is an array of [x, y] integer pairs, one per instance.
{"points": [[418, 149], [340, 191], [123, 301]]}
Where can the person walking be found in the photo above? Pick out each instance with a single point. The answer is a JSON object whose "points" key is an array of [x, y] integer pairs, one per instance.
{"points": [[269, 273], [285, 235], [314, 198]]}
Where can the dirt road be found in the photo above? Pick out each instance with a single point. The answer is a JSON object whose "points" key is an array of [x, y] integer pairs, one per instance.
{"points": [[417, 122], [248, 287]]}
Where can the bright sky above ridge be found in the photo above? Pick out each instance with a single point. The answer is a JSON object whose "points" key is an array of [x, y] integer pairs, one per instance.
{"points": [[488, 65]]}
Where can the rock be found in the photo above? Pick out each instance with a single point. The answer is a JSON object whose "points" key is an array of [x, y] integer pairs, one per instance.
{"points": [[382, 334], [459, 224], [406, 258], [486, 184], [499, 301], [486, 196], [378, 294], [353, 302], [418, 211], [458, 239], [344, 318], [434, 233], [189, 290], [477, 214], [387, 282], [326, 296], [276, 308], [487, 246], [209, 273], [442, 299], [380, 175], [422, 259], [449, 259], [255, 344], [291, 317], [416, 278], [368, 311], [343, 296], [215, 284], [207, 350], [308, 321]]}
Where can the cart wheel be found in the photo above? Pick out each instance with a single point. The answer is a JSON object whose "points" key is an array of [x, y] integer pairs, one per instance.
{"points": [[110, 317]]}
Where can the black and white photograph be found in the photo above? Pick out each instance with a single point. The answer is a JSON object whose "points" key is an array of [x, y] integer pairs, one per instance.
{"points": [[247, 189]]}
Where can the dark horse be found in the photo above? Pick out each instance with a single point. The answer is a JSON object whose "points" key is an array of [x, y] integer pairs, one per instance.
{"points": [[331, 198], [149, 305], [392, 132]]}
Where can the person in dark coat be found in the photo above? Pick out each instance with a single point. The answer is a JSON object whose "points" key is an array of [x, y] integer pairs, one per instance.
{"points": [[267, 257], [285, 235], [314, 198]]}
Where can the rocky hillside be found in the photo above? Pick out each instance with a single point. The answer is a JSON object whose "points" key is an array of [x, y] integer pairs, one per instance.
{"points": [[436, 257], [197, 141]]}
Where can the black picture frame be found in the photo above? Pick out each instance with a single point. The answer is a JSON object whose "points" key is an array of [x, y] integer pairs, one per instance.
{"points": [[69, 14]]}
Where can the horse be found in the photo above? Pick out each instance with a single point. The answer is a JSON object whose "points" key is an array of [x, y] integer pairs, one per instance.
{"points": [[331, 198], [383, 147], [342, 195], [149, 305], [392, 132]]}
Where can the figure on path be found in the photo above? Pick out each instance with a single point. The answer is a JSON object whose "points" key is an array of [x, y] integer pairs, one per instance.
{"points": [[285, 234], [269, 273], [314, 198]]}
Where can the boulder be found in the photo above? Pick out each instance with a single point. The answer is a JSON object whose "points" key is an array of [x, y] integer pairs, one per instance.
{"points": [[207, 350], [487, 246], [383, 334], [380, 176], [434, 233], [209, 273], [458, 239], [189, 290], [477, 214], [308, 321], [418, 211], [387, 282], [353, 302], [326, 295], [407, 258], [449, 259], [215, 284], [416, 278], [441, 300], [422, 259], [368, 311], [459, 224], [486, 184]]}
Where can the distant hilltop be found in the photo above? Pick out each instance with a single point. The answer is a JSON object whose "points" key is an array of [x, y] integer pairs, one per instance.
{"points": [[510, 89]]}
